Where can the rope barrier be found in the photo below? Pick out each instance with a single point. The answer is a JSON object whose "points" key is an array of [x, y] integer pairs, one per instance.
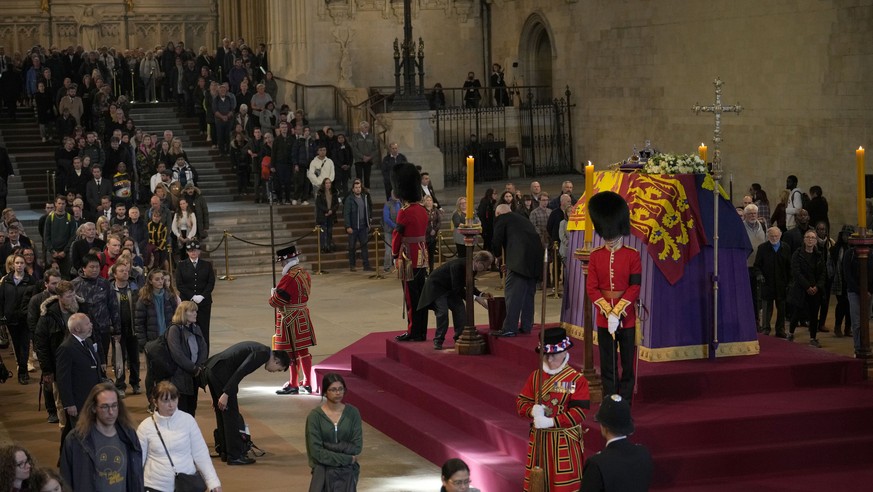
{"points": [[210, 251], [270, 245]]}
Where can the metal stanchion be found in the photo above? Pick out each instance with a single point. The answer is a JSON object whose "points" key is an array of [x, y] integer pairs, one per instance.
{"points": [[439, 248], [227, 275], [48, 186], [377, 238], [132, 87], [556, 294], [317, 230], [54, 185]]}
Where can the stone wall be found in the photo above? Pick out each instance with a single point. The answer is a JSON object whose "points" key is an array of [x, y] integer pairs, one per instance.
{"points": [[114, 23], [800, 68]]}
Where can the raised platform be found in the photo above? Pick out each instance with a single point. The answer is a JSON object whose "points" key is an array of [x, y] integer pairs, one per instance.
{"points": [[770, 421]]}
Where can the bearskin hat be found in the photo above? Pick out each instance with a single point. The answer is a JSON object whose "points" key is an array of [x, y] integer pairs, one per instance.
{"points": [[406, 182], [610, 214]]}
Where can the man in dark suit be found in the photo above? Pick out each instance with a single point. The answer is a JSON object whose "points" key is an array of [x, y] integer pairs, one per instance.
{"points": [[195, 280], [446, 289], [621, 466], [79, 367], [223, 373], [96, 189], [515, 235], [773, 264]]}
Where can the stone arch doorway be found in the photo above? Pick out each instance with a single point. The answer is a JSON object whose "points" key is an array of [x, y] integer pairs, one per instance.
{"points": [[536, 53]]}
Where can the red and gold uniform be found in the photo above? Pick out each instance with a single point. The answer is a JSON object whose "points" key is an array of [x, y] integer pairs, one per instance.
{"points": [[557, 450], [613, 285], [409, 248], [294, 332]]}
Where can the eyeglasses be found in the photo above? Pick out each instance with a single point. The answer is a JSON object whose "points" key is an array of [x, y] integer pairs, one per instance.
{"points": [[461, 483], [336, 390], [27, 462], [107, 408]]}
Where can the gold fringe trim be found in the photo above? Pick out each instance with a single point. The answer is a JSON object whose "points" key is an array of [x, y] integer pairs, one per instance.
{"points": [[686, 352]]}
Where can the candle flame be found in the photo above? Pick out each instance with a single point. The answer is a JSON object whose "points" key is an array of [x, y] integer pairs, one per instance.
{"points": [[860, 148]]}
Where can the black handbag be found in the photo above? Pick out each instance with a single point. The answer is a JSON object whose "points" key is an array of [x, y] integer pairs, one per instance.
{"points": [[184, 482]]}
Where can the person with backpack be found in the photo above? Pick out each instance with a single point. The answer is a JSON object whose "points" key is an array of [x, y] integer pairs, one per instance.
{"points": [[59, 234], [154, 312], [797, 199]]}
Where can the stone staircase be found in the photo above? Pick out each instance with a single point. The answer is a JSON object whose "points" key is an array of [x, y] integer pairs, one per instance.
{"points": [[30, 157], [217, 180]]}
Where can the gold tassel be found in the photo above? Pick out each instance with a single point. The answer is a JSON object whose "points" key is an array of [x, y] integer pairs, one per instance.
{"points": [[537, 480]]}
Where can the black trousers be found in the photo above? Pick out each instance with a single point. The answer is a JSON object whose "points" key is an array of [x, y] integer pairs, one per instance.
{"points": [[204, 315], [228, 421], [188, 403], [624, 343], [20, 336], [807, 310], [362, 172], [416, 318], [130, 350]]}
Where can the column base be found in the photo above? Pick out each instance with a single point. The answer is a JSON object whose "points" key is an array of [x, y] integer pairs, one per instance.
{"points": [[471, 342]]}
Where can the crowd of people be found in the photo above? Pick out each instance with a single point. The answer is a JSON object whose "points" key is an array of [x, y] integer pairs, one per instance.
{"points": [[797, 264]]}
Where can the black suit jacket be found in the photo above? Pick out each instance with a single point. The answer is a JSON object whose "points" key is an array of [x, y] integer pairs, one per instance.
{"points": [[93, 193], [191, 281], [515, 234], [621, 466], [76, 371], [226, 369], [450, 278]]}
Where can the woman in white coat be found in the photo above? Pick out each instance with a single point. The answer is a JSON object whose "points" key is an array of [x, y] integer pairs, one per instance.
{"points": [[183, 440]]}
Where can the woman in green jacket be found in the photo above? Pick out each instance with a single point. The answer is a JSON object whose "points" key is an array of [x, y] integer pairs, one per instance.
{"points": [[334, 439]]}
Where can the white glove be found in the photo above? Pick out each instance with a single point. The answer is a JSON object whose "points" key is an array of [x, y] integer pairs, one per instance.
{"points": [[544, 422], [613, 324], [272, 291], [198, 298], [538, 411]]}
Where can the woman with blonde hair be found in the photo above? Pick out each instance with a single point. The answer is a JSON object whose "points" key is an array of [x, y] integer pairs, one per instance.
{"points": [[103, 227], [172, 443], [189, 352]]}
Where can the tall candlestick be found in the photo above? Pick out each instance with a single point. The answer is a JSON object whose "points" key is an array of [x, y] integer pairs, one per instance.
{"points": [[702, 151], [862, 195], [470, 164], [589, 190]]}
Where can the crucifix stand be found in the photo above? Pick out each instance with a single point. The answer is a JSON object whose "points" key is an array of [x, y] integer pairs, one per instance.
{"points": [[717, 171]]}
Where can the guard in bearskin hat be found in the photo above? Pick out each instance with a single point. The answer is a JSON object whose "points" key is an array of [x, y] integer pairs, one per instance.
{"points": [[613, 285], [409, 248], [555, 399], [294, 332]]}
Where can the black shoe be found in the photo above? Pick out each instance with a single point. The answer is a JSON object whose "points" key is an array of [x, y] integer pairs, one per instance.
{"points": [[504, 334], [288, 390], [308, 389], [244, 460], [523, 332], [369, 269], [22, 379], [406, 337], [437, 345], [53, 418], [781, 335], [135, 389], [765, 331]]}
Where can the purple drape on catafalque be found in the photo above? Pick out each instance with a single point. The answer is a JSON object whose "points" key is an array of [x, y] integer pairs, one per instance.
{"points": [[679, 322]]}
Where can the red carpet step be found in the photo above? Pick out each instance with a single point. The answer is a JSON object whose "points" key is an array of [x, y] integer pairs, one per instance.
{"points": [[765, 422]]}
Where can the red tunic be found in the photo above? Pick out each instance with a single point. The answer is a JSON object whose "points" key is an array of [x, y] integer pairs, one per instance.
{"points": [[294, 331], [409, 235], [557, 450], [613, 284]]}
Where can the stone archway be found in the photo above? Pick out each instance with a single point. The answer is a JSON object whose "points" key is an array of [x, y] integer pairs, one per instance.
{"points": [[536, 53]]}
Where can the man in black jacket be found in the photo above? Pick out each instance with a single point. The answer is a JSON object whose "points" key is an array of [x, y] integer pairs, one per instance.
{"points": [[445, 290], [621, 465], [35, 313], [773, 263], [79, 368], [515, 235], [223, 373]]}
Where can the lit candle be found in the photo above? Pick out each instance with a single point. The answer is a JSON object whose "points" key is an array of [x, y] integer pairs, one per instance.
{"points": [[470, 207], [589, 191], [702, 151], [862, 196]]}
